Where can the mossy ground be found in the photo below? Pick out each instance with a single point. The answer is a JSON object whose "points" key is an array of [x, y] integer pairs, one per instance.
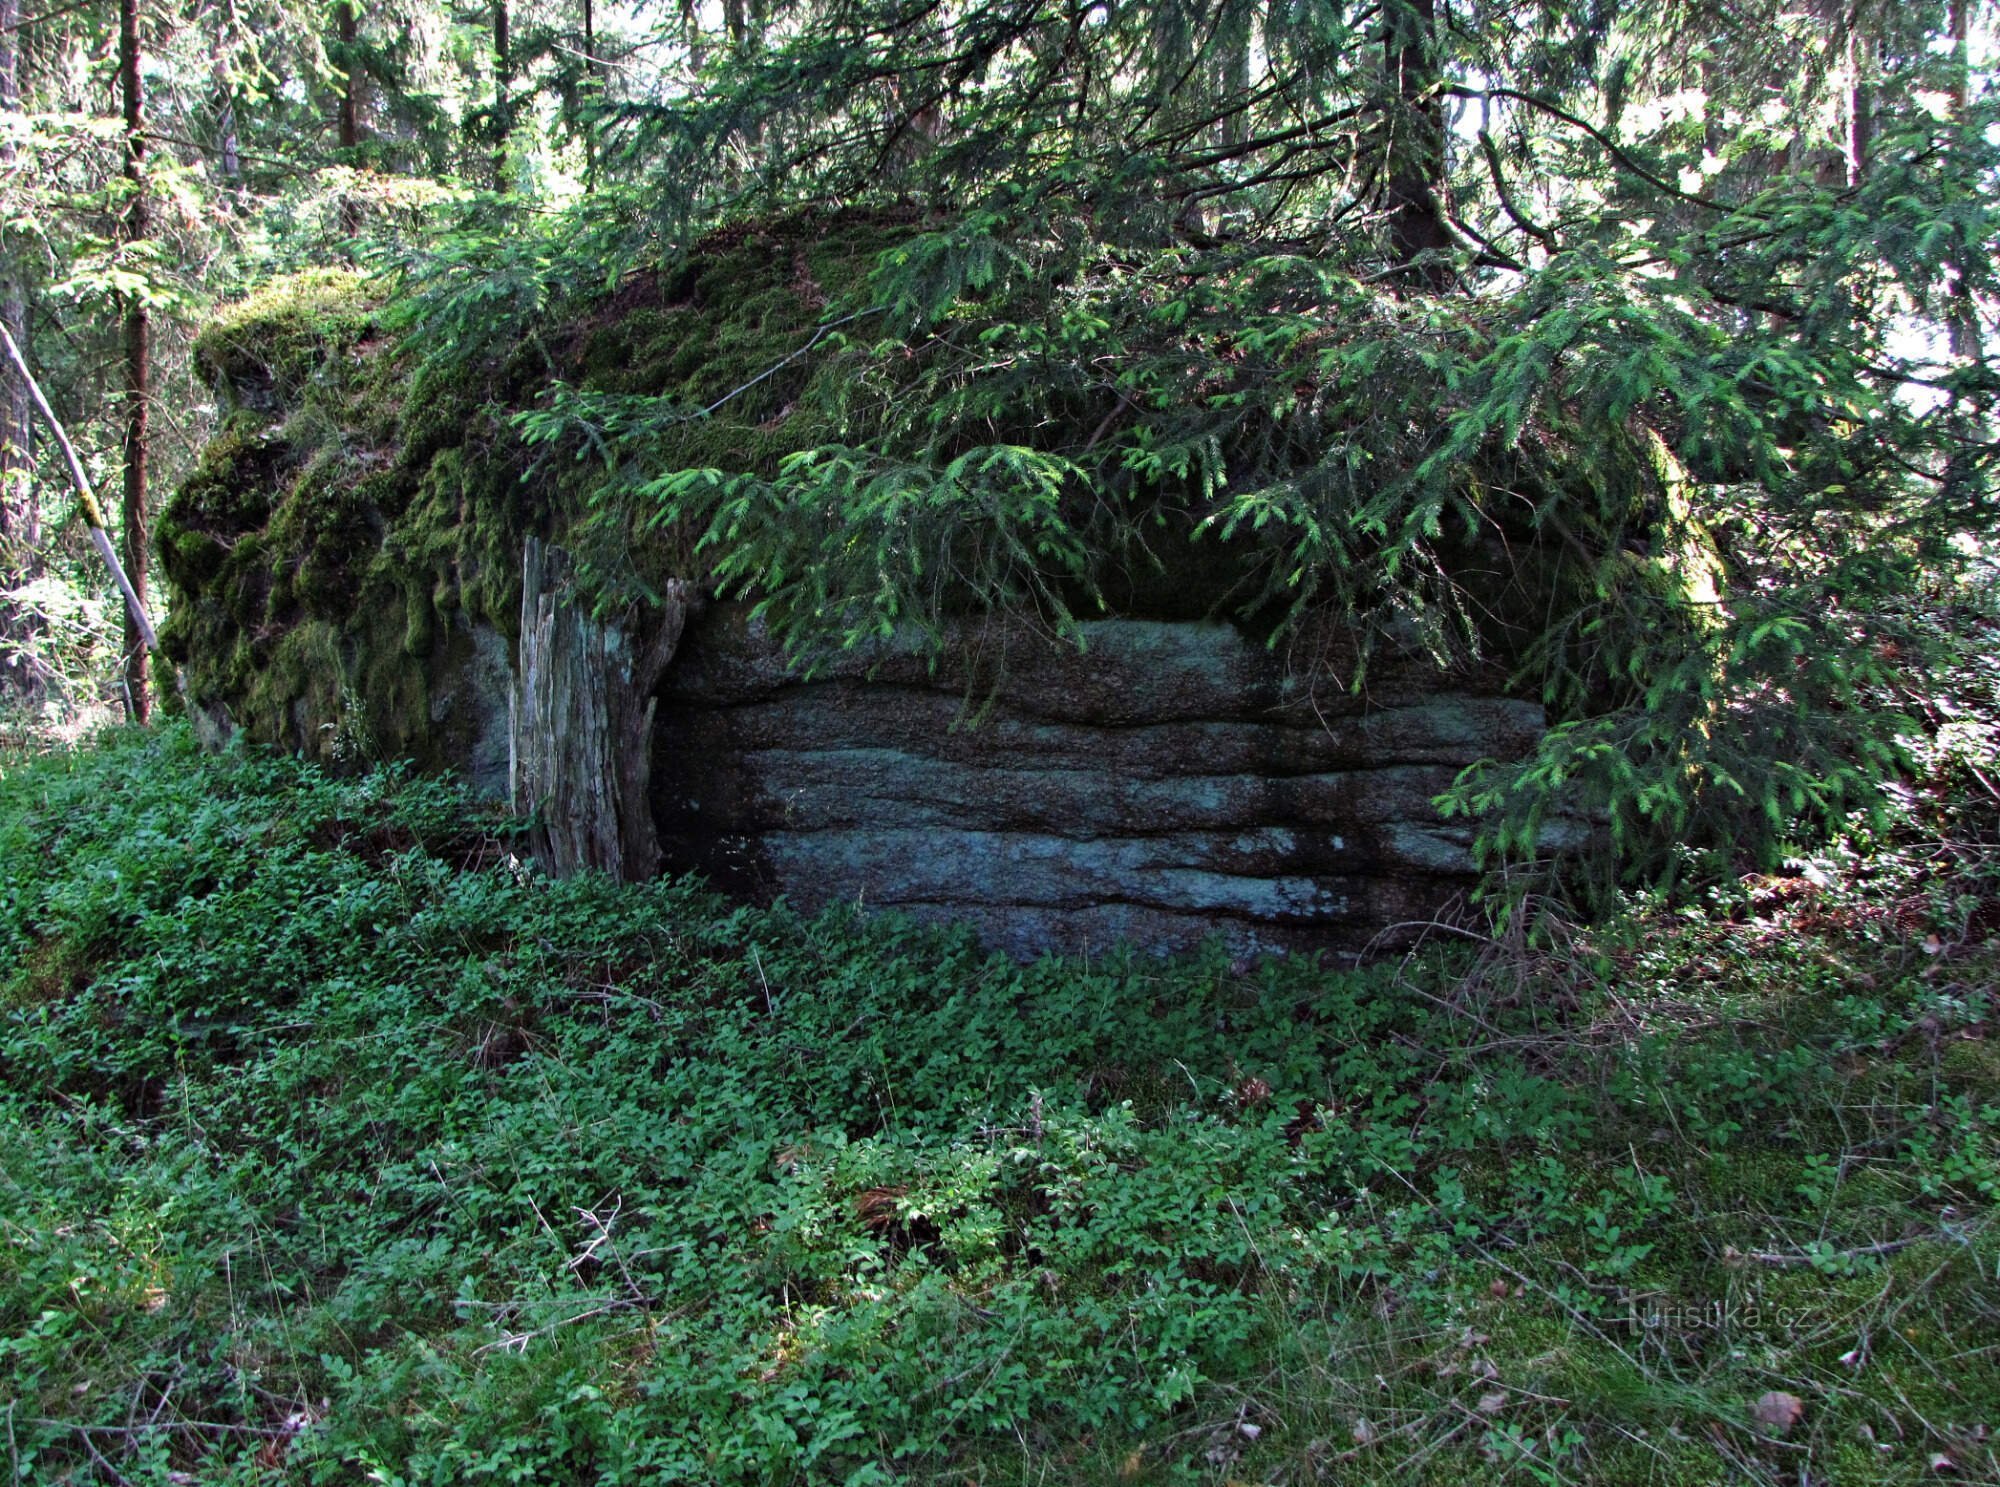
{"points": [[336, 1146]]}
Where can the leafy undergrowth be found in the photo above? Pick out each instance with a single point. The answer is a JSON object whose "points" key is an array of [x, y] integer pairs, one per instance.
{"points": [[334, 1146]]}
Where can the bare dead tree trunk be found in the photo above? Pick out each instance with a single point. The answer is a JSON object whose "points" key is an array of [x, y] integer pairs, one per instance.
{"points": [[226, 45], [138, 370], [582, 732], [228, 144]]}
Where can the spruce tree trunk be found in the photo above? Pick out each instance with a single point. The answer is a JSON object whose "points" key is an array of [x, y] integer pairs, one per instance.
{"points": [[1860, 110], [350, 88], [503, 100], [691, 33], [1963, 315], [1415, 168], [349, 33], [594, 75], [138, 370], [582, 734], [1234, 45], [1958, 19]]}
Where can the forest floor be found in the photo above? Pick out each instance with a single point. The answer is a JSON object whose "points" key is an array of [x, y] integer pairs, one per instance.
{"points": [[337, 1146]]}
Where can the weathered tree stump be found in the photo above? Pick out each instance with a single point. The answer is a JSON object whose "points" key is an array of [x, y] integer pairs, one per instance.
{"points": [[582, 725]]}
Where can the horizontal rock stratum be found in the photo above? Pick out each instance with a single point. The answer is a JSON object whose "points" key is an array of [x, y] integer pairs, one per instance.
{"points": [[1154, 781]]}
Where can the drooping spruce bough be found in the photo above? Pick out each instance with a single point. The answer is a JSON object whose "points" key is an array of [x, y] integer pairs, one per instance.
{"points": [[1644, 355]]}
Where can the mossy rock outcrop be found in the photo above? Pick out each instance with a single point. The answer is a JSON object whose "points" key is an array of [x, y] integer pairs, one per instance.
{"points": [[346, 566]]}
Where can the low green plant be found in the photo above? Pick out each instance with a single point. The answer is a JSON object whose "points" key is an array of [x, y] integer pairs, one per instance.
{"points": [[337, 1144]]}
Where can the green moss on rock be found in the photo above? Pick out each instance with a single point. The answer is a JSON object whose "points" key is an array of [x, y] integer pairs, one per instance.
{"points": [[359, 520], [296, 695], [227, 497], [262, 351]]}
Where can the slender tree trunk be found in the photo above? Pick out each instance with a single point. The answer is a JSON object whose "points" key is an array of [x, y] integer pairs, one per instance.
{"points": [[1960, 20], [503, 101], [227, 47], [1415, 167], [350, 89], [20, 516], [138, 536], [1860, 109], [594, 82], [1171, 48], [348, 30], [1234, 66], [696, 44], [228, 144], [1963, 314], [741, 20], [20, 524]]}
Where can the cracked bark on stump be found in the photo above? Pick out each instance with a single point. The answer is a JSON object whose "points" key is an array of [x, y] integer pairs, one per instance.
{"points": [[583, 720]]}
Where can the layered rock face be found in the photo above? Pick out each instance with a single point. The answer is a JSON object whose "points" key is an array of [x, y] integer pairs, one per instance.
{"points": [[373, 561], [1166, 782]]}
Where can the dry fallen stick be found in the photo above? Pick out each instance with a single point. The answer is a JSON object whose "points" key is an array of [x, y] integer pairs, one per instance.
{"points": [[142, 1429], [1774, 1257]]}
